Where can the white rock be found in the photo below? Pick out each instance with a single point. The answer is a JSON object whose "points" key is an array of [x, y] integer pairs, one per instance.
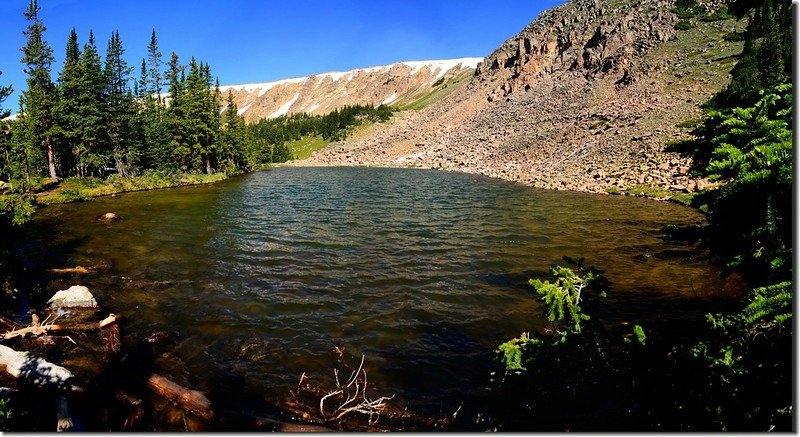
{"points": [[75, 296]]}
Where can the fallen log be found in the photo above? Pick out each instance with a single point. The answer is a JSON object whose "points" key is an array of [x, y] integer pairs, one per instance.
{"points": [[39, 330], [192, 400], [9, 324], [23, 365]]}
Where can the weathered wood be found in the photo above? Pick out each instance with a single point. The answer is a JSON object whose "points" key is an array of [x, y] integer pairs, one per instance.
{"points": [[112, 341], [72, 270], [9, 324], [40, 330], [192, 400], [24, 366]]}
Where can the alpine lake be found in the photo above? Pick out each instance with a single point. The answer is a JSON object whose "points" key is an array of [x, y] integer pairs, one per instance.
{"points": [[424, 273]]}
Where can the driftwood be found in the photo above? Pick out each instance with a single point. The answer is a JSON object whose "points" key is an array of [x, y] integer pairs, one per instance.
{"points": [[9, 324], [192, 400], [37, 371], [72, 270], [42, 329]]}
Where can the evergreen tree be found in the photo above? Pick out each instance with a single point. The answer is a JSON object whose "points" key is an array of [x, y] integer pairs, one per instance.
{"points": [[5, 91], [89, 154], [39, 100], [233, 137], [175, 114], [140, 86], [68, 108], [766, 60], [5, 134], [154, 63], [200, 116], [119, 106]]}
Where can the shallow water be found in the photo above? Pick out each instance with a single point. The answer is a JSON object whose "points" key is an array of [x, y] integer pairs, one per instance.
{"points": [[424, 272]]}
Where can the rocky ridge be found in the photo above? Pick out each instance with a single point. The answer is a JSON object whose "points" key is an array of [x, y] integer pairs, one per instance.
{"points": [[396, 84], [585, 98]]}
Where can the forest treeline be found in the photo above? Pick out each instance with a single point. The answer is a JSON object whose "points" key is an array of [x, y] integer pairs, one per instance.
{"points": [[98, 118]]}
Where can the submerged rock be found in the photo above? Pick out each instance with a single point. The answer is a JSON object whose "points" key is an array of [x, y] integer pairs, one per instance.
{"points": [[107, 217], [77, 296]]}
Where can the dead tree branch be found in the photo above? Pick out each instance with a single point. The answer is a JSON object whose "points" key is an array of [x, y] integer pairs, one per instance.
{"points": [[353, 397]]}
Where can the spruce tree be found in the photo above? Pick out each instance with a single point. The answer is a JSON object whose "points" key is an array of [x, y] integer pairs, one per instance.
{"points": [[119, 106], [5, 134], [766, 59], [68, 109], [154, 63], [5, 91], [140, 85], [175, 115], [232, 137], [89, 154], [196, 120], [39, 100]]}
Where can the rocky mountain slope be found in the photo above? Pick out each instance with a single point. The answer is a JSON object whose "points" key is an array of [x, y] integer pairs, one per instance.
{"points": [[399, 83], [586, 98]]}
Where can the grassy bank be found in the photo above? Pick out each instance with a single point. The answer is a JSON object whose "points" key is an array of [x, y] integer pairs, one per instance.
{"points": [[306, 146], [80, 189]]}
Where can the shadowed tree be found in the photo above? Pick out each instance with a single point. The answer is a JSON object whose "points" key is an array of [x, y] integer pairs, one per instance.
{"points": [[39, 100]]}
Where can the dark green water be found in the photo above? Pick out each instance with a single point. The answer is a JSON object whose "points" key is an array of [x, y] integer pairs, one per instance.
{"points": [[424, 272]]}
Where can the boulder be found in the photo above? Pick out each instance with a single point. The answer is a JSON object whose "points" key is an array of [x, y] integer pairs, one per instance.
{"points": [[107, 217], [76, 296]]}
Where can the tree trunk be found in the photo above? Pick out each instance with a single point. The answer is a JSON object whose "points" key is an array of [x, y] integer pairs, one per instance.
{"points": [[51, 159], [209, 170], [192, 400], [121, 170]]}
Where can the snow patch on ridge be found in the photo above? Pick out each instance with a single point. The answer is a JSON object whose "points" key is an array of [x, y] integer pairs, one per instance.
{"points": [[311, 108], [284, 109], [440, 67], [389, 99], [262, 88]]}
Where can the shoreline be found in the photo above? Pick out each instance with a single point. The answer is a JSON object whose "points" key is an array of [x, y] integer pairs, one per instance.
{"points": [[76, 189], [657, 193]]}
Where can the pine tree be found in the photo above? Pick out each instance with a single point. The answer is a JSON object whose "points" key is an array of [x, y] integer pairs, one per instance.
{"points": [[232, 137], [119, 106], [175, 114], [140, 86], [89, 154], [5, 134], [154, 63], [201, 118], [39, 100], [68, 115], [5, 91], [766, 59]]}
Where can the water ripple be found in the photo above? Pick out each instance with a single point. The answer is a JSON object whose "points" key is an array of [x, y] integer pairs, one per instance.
{"points": [[425, 272]]}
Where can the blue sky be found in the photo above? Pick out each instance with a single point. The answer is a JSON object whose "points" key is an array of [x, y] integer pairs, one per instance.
{"points": [[258, 41]]}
